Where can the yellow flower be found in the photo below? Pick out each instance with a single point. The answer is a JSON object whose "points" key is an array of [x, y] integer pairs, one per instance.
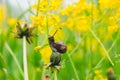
{"points": [[45, 54], [37, 48], [54, 4], [109, 3], [112, 29], [53, 20], [2, 13], [97, 71], [67, 11], [43, 6], [12, 21], [82, 24], [40, 22], [98, 75]]}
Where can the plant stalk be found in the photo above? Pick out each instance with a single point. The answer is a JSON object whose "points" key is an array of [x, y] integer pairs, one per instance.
{"points": [[55, 75], [25, 59], [73, 66]]}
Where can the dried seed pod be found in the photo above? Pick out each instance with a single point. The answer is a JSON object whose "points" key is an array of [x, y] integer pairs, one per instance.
{"points": [[25, 31], [55, 59], [110, 74]]}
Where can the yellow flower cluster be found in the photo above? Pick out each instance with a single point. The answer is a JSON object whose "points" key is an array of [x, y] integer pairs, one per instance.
{"points": [[109, 4], [98, 75], [79, 16], [46, 5]]}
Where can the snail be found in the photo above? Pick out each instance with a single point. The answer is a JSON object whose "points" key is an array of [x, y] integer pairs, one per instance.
{"points": [[57, 46]]}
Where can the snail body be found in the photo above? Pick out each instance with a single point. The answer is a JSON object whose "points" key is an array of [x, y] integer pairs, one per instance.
{"points": [[57, 46]]}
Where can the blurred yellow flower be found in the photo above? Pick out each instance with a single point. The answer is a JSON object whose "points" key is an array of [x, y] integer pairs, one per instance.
{"points": [[112, 29], [39, 20], [45, 54], [12, 21], [37, 48], [97, 71], [2, 13], [82, 24], [46, 5], [67, 11], [109, 3], [54, 4], [98, 75], [53, 20]]}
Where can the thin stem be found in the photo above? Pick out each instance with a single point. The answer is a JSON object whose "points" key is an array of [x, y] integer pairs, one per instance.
{"points": [[77, 46], [55, 75], [37, 13], [14, 58], [73, 66], [112, 43], [47, 25], [108, 51], [25, 59], [107, 55]]}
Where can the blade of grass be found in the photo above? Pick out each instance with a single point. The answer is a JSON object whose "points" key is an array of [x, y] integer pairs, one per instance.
{"points": [[77, 46], [73, 66], [113, 44], [107, 55], [14, 58], [25, 59]]}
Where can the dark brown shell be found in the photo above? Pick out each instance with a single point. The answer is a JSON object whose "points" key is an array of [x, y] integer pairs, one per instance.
{"points": [[60, 47]]}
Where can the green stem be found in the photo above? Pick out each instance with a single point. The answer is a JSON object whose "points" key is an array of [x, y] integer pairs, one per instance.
{"points": [[25, 59], [73, 66], [108, 51], [43, 72], [47, 26], [107, 55], [77, 46], [111, 45], [14, 58], [55, 75], [37, 13]]}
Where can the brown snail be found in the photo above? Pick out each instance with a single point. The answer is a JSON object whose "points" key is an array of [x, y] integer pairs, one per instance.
{"points": [[57, 46]]}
